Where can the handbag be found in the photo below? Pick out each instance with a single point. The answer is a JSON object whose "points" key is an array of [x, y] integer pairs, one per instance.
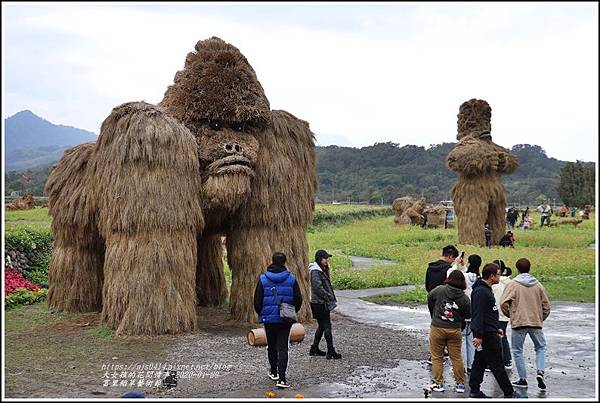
{"points": [[287, 312]]}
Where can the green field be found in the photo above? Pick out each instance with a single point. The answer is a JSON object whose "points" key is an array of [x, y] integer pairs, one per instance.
{"points": [[560, 256]]}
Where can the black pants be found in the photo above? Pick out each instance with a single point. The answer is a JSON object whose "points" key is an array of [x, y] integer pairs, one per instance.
{"points": [[490, 356], [278, 335], [321, 314], [545, 218], [505, 346]]}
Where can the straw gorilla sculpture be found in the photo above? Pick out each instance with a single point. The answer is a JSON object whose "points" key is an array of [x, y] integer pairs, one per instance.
{"points": [[479, 195], [139, 215]]}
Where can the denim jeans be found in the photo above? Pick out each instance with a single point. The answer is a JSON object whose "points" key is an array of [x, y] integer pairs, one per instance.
{"points": [[539, 342], [468, 350]]}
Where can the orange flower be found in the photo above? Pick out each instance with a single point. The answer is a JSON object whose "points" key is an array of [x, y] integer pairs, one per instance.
{"points": [[270, 394], [299, 396]]}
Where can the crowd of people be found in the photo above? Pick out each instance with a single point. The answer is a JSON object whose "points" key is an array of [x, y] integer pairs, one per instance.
{"points": [[474, 309], [471, 308]]}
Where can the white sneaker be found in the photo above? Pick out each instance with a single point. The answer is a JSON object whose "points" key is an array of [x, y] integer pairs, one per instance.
{"points": [[273, 377], [283, 384]]}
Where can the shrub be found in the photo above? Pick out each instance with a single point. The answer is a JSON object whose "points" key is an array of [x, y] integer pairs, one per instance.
{"points": [[23, 296], [28, 251], [14, 280]]}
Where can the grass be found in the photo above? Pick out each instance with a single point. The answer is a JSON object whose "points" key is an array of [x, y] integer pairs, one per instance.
{"points": [[37, 217], [555, 253]]}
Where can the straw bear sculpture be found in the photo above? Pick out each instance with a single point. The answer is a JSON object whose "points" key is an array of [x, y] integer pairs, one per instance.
{"points": [[478, 195], [138, 215]]}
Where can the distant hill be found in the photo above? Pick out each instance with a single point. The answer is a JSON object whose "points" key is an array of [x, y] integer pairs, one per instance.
{"points": [[385, 171], [381, 172], [32, 141]]}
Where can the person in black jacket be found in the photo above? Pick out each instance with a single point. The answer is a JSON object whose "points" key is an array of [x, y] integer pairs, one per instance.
{"points": [[275, 286], [322, 302], [436, 271], [487, 334]]}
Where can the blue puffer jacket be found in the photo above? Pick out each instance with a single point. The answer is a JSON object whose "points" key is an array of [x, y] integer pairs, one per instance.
{"points": [[277, 287]]}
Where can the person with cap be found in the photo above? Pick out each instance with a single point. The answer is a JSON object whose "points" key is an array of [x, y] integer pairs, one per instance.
{"points": [[498, 290], [274, 287], [322, 302]]}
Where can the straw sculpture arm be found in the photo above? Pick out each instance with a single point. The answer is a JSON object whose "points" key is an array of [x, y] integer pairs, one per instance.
{"points": [[277, 213], [147, 187], [507, 161], [75, 276]]}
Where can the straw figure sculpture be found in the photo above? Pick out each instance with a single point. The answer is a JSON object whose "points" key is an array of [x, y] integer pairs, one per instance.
{"points": [[436, 216], [408, 210], [140, 214], [479, 196], [22, 203]]}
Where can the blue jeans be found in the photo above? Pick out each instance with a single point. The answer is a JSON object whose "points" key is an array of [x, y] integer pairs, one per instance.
{"points": [[539, 342], [468, 350]]}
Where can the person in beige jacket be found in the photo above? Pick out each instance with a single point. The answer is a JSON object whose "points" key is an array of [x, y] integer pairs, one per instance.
{"points": [[525, 302]]}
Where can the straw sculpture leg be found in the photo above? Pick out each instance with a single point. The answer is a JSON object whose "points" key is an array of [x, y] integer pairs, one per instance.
{"points": [[147, 185], [276, 215], [472, 212], [75, 276], [497, 210], [211, 287], [249, 252]]}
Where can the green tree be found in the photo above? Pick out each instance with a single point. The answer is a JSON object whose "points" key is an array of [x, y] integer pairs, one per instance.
{"points": [[576, 186]]}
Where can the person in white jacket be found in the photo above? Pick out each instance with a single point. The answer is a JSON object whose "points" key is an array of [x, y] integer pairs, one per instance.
{"points": [[471, 272], [498, 289]]}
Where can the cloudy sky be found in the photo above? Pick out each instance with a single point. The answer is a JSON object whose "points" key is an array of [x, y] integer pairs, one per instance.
{"points": [[358, 73]]}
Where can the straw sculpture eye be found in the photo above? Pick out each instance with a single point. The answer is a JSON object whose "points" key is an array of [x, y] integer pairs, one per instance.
{"points": [[215, 125], [238, 127]]}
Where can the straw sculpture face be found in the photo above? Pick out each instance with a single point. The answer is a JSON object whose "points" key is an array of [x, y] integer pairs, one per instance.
{"points": [[139, 216], [479, 196]]}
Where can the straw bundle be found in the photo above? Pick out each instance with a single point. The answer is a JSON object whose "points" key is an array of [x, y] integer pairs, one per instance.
{"points": [[75, 277], [436, 216], [22, 203], [479, 195], [408, 210]]}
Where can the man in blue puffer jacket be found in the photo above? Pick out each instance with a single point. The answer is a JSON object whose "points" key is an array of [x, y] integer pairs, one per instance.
{"points": [[275, 286]]}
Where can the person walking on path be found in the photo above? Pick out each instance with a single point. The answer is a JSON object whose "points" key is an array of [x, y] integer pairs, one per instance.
{"points": [[526, 303], [498, 289], [450, 307], [322, 302], [277, 285], [486, 335]]}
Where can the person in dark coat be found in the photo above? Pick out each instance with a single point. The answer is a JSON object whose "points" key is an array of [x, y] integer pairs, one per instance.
{"points": [[322, 302], [437, 271], [487, 334], [275, 286]]}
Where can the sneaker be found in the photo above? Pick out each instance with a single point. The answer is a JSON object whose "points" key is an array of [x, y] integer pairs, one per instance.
{"points": [[314, 350], [283, 384], [438, 388], [477, 394], [468, 370], [333, 354], [488, 370], [508, 365], [521, 383], [517, 394], [273, 376], [540, 380], [460, 388]]}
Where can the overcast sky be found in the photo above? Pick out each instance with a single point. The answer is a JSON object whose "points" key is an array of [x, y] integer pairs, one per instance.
{"points": [[358, 73]]}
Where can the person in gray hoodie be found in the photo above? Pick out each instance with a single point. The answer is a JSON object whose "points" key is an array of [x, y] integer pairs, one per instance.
{"points": [[322, 302]]}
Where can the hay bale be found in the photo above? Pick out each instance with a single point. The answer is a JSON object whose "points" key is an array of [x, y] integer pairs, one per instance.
{"points": [[479, 195], [408, 210], [436, 216]]}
